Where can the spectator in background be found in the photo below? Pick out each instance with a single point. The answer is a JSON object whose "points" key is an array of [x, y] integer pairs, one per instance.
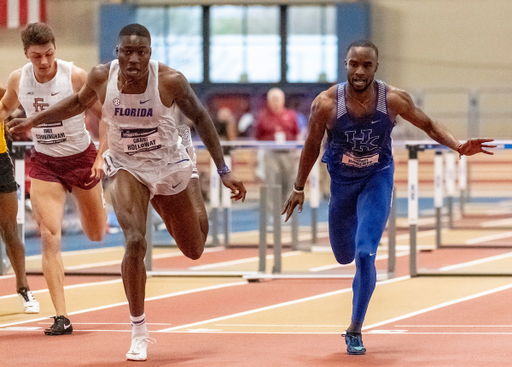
{"points": [[246, 122], [276, 123]]}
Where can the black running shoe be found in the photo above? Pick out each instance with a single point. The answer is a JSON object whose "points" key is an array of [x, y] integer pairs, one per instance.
{"points": [[61, 325], [354, 343]]}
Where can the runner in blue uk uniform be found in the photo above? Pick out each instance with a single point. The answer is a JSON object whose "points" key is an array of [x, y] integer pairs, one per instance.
{"points": [[359, 116]]}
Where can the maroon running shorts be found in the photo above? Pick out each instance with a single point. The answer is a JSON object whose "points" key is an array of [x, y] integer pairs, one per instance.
{"points": [[72, 170]]}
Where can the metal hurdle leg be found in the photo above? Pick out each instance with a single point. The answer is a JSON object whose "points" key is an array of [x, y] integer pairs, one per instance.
{"points": [[462, 171], [314, 200], [276, 194], [214, 202], [392, 237], [226, 204], [3, 258], [412, 192], [263, 229], [450, 184], [295, 231], [438, 194], [18, 153]]}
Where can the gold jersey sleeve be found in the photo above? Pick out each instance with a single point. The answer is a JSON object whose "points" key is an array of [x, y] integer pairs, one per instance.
{"points": [[3, 144]]}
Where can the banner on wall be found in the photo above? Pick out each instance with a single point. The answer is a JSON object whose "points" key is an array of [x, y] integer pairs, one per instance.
{"points": [[18, 13]]}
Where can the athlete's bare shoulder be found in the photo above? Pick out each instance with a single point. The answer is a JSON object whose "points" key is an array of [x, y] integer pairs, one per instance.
{"points": [[323, 107], [98, 76], [78, 77], [13, 81], [172, 84], [398, 101], [169, 76]]}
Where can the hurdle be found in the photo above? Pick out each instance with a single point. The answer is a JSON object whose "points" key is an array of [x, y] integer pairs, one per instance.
{"points": [[414, 147], [19, 149]]}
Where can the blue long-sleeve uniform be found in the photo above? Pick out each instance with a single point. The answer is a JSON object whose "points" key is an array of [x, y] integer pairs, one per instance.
{"points": [[360, 162]]}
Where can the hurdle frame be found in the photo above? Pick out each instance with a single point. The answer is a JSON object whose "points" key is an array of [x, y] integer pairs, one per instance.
{"points": [[19, 149], [414, 147]]}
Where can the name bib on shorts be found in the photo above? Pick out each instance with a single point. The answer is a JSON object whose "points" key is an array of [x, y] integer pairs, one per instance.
{"points": [[360, 162], [51, 133], [140, 140]]}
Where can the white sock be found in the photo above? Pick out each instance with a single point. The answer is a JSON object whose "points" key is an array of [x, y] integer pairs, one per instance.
{"points": [[139, 325]]}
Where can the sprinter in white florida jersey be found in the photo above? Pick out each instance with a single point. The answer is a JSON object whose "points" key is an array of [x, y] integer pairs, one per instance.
{"points": [[143, 136], [62, 158], [145, 159]]}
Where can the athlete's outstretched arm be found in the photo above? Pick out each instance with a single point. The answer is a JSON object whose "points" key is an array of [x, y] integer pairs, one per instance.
{"points": [[323, 111], [192, 108], [97, 168], [400, 103], [68, 107]]}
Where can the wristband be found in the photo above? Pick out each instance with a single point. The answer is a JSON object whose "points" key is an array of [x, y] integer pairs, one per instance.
{"points": [[298, 190], [224, 170], [458, 150]]}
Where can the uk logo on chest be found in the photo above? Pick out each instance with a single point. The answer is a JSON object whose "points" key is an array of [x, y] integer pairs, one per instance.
{"points": [[362, 141]]}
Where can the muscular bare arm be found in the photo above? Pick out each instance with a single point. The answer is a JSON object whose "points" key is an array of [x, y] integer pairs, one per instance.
{"points": [[85, 98], [174, 87], [401, 104], [97, 168], [323, 112]]}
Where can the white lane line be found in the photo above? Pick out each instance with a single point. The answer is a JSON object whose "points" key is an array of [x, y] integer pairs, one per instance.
{"points": [[69, 287], [215, 331], [336, 266], [496, 223], [93, 265], [456, 326], [441, 305], [492, 237], [405, 236], [476, 262], [267, 308], [155, 256], [79, 252], [169, 295], [276, 325], [438, 332], [242, 261]]}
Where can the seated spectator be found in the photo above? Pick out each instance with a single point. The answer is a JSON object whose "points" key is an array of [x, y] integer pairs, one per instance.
{"points": [[279, 124]]}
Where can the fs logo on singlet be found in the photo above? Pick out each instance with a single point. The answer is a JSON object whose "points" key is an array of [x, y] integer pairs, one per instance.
{"points": [[363, 142], [39, 104]]}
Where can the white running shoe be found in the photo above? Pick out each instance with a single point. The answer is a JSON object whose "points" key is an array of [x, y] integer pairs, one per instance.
{"points": [[29, 303], [186, 140], [139, 348]]}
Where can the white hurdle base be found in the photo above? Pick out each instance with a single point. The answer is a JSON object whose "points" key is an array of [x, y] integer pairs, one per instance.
{"points": [[262, 277]]}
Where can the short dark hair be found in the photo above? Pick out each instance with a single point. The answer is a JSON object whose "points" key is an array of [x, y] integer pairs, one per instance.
{"points": [[135, 29], [363, 43], [37, 34]]}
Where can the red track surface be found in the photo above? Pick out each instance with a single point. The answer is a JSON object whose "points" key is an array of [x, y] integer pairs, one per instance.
{"points": [[97, 344], [474, 332]]}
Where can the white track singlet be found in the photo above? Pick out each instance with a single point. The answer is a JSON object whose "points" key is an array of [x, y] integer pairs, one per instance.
{"points": [[143, 135], [58, 139]]}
